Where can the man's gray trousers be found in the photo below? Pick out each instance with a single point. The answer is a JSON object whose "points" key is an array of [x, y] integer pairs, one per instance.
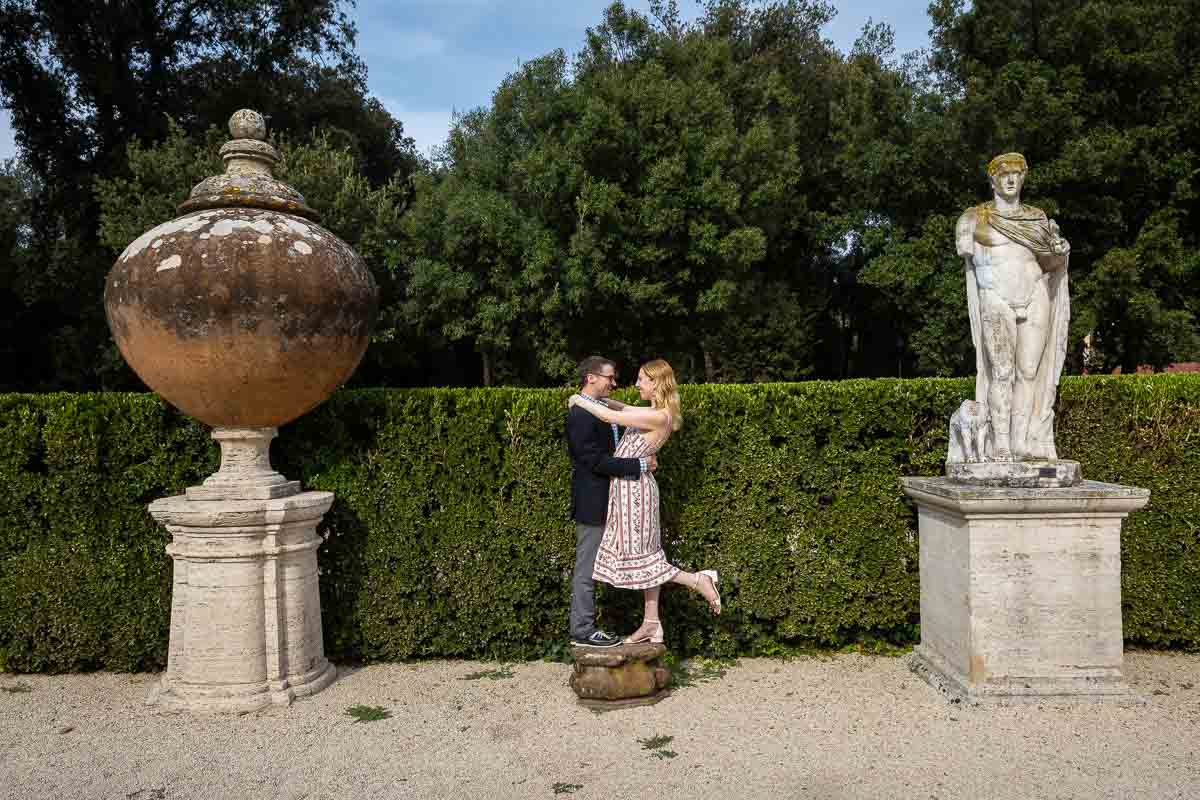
{"points": [[583, 588]]}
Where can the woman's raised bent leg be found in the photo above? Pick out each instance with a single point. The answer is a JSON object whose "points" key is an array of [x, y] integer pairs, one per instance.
{"points": [[703, 583]]}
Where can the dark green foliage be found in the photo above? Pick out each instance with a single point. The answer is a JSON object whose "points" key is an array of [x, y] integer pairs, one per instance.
{"points": [[327, 173], [730, 192], [83, 579], [498, 674], [696, 670], [733, 194], [1153, 441], [663, 192], [1101, 97], [450, 537], [567, 788], [84, 81]]}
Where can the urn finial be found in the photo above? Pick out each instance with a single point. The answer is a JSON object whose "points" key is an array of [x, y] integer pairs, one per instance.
{"points": [[248, 180], [248, 124], [249, 152]]}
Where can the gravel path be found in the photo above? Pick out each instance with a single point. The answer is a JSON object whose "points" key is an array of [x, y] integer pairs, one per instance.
{"points": [[846, 726]]}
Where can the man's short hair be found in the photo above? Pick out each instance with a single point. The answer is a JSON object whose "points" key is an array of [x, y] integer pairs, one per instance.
{"points": [[592, 365]]}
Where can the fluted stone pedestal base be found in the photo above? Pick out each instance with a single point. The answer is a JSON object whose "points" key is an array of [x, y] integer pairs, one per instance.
{"points": [[618, 677], [1021, 590], [245, 605]]}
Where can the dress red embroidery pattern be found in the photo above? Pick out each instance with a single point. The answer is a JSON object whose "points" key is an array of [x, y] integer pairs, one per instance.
{"points": [[631, 554]]}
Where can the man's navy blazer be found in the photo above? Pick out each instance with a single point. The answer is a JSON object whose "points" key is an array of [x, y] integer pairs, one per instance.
{"points": [[590, 444]]}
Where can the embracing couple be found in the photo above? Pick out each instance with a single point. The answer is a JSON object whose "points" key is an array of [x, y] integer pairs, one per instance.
{"points": [[614, 497]]}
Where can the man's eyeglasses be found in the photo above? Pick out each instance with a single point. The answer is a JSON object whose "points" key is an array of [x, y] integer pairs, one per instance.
{"points": [[611, 378]]}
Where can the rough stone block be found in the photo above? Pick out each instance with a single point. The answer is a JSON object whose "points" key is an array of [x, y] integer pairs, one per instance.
{"points": [[615, 677], [1017, 474]]}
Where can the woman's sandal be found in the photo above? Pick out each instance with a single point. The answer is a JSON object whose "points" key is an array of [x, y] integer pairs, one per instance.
{"points": [[714, 579], [651, 630]]}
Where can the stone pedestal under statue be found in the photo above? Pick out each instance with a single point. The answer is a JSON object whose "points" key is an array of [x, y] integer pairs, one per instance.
{"points": [[245, 605], [1021, 590]]}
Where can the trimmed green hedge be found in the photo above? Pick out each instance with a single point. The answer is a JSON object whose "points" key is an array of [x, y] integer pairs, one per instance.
{"points": [[450, 537]]}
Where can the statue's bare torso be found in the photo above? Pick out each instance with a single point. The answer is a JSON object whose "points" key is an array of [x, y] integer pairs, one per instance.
{"points": [[1009, 270]]}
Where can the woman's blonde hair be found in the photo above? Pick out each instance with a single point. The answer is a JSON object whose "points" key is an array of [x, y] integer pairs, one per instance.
{"points": [[666, 391]]}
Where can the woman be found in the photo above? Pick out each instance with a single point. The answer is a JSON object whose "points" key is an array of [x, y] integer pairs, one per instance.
{"points": [[631, 554]]}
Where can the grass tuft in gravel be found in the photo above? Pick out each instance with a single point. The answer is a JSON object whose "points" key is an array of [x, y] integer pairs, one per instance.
{"points": [[500, 673], [368, 713], [698, 670], [657, 745], [567, 788]]}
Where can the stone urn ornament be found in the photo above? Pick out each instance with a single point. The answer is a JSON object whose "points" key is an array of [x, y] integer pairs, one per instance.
{"points": [[243, 313]]}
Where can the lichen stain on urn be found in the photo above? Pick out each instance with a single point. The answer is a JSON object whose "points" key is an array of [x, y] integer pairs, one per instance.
{"points": [[242, 315]]}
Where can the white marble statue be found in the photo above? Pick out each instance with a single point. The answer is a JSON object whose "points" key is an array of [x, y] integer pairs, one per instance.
{"points": [[1016, 270]]}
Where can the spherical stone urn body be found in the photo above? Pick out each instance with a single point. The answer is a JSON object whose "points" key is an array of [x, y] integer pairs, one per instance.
{"points": [[243, 312], [241, 317]]}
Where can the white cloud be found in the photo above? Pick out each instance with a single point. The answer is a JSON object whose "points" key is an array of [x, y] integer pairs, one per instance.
{"points": [[428, 129]]}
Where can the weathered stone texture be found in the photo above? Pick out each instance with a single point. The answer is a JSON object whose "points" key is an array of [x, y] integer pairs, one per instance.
{"points": [[245, 606], [1021, 589], [613, 677], [243, 313]]}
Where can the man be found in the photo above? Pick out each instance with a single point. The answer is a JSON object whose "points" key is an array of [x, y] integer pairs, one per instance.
{"points": [[591, 443]]}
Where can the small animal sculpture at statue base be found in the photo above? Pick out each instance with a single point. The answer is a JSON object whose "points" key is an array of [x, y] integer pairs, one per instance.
{"points": [[970, 434]]}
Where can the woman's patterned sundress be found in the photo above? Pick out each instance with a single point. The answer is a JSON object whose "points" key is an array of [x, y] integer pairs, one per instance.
{"points": [[631, 554]]}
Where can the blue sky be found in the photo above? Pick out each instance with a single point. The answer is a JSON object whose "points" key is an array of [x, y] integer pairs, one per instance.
{"points": [[429, 58]]}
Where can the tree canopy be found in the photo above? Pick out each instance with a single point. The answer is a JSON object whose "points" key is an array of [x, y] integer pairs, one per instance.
{"points": [[731, 193], [83, 81], [739, 197]]}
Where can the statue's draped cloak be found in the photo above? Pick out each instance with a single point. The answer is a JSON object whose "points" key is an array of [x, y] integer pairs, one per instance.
{"points": [[1028, 227]]}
